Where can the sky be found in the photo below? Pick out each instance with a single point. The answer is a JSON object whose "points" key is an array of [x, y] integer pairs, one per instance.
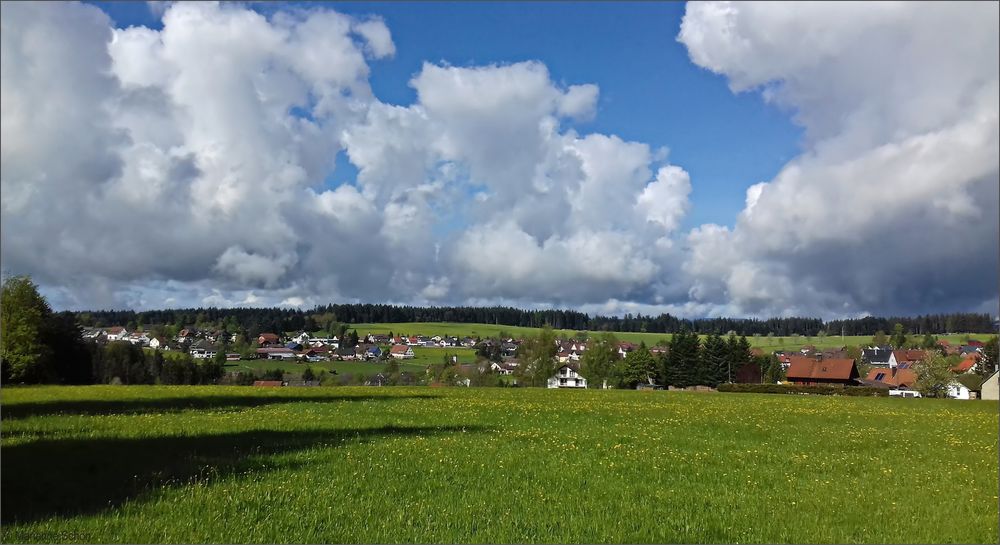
{"points": [[702, 159]]}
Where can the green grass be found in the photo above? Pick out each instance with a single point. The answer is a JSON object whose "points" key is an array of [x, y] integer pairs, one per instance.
{"points": [[238, 464], [489, 330]]}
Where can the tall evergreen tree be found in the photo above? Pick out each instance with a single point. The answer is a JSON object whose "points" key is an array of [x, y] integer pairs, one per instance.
{"points": [[682, 361], [714, 361]]}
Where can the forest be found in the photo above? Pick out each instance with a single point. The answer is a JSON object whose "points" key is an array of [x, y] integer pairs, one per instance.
{"points": [[256, 320]]}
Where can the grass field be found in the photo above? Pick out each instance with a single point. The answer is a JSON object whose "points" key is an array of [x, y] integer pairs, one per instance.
{"points": [[237, 464], [489, 330]]}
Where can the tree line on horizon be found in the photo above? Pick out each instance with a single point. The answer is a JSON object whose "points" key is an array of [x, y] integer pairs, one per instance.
{"points": [[257, 320]]}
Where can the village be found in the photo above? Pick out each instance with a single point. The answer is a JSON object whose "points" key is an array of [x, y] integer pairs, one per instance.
{"points": [[886, 368]]}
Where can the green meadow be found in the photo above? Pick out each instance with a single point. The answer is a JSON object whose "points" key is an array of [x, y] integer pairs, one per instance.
{"points": [[235, 464], [490, 330]]}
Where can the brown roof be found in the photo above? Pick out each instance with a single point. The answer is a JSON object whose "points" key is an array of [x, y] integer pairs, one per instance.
{"points": [[116, 329], [803, 368], [908, 355], [893, 377], [399, 349], [268, 336]]}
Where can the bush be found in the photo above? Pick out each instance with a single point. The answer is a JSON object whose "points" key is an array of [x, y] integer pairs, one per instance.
{"points": [[853, 391]]}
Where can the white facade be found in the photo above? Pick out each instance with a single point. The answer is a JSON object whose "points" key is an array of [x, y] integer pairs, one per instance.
{"points": [[958, 391], [567, 377], [990, 390]]}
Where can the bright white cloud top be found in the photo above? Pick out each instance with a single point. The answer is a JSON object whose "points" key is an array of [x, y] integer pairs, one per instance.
{"points": [[187, 166]]}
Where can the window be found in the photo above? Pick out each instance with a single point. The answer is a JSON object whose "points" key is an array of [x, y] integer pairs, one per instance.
{"points": [[562, 382], [880, 376]]}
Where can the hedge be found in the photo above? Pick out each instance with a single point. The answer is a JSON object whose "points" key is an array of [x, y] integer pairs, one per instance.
{"points": [[794, 389]]}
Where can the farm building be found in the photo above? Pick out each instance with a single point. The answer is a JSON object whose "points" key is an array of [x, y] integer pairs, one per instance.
{"points": [[275, 354], [567, 376], [810, 372]]}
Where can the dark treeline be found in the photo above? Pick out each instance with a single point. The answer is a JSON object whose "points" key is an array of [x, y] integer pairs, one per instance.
{"points": [[255, 320]]}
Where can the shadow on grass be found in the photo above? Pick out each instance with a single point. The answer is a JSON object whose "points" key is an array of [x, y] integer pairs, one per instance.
{"points": [[175, 404], [72, 477]]}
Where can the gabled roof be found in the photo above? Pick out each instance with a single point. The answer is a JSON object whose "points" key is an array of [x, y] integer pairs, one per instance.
{"points": [[833, 369], [268, 336], [898, 377], [876, 355], [909, 355], [399, 349]]}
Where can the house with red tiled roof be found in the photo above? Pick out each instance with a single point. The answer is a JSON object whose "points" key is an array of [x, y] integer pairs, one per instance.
{"points": [[401, 352], [811, 372], [968, 363], [894, 377]]}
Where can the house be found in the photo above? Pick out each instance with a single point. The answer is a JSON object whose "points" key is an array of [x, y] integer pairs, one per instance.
{"points": [[276, 353], [502, 368], [990, 389], [957, 390], [877, 356], [910, 357], [116, 333], [897, 378], [268, 383], [302, 337], [807, 371], [158, 343], [203, 350], [624, 348], [401, 352], [969, 349], [346, 353], [967, 364], [567, 376], [267, 339], [232, 356], [139, 338]]}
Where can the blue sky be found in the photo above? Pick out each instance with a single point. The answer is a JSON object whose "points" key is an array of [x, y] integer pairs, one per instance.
{"points": [[650, 90], [508, 153]]}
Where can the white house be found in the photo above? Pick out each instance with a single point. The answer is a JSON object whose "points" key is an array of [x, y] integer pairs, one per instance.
{"points": [[302, 338], [203, 353], [117, 333], [567, 376], [141, 339], [958, 391], [156, 342], [502, 368]]}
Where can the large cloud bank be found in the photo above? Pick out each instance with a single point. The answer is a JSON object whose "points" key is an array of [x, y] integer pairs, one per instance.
{"points": [[190, 166], [893, 205]]}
